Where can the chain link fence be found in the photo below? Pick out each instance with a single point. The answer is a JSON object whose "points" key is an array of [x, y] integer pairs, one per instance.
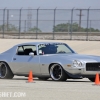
{"points": [[67, 24]]}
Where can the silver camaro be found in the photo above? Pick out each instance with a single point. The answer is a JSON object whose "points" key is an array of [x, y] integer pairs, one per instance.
{"points": [[47, 60]]}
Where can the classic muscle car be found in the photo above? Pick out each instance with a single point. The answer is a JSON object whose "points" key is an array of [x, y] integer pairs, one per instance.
{"points": [[47, 60]]}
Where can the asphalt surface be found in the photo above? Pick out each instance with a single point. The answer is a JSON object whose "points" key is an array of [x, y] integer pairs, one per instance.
{"points": [[80, 89]]}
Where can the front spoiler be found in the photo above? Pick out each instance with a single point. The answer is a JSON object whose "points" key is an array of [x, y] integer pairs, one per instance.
{"points": [[79, 75]]}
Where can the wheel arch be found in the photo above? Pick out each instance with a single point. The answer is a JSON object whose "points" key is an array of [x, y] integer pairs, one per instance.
{"points": [[53, 64], [67, 73], [6, 63]]}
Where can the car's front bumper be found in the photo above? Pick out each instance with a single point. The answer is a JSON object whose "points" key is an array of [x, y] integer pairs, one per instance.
{"points": [[81, 71]]}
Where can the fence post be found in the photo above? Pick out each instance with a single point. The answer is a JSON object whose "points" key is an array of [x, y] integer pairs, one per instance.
{"points": [[68, 27], [37, 23], [25, 26], [90, 25], [87, 23], [7, 19], [54, 22], [20, 22], [71, 27], [3, 22]]}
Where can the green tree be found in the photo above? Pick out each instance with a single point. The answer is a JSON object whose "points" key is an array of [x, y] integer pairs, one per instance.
{"points": [[65, 27], [8, 27], [34, 29]]}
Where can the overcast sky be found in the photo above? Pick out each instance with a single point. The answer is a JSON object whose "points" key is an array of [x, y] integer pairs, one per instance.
{"points": [[50, 4]]}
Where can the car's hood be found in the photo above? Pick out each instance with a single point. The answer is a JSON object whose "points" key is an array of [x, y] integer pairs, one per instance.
{"points": [[80, 57]]}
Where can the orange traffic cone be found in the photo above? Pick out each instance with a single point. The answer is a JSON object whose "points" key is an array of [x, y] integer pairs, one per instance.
{"points": [[30, 78], [97, 82]]}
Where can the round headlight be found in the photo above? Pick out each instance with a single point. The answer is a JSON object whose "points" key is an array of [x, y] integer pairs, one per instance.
{"points": [[77, 63]]}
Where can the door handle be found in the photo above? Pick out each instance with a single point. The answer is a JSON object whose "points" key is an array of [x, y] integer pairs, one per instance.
{"points": [[14, 58]]}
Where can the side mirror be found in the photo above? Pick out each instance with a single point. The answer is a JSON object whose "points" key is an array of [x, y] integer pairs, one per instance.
{"points": [[31, 54]]}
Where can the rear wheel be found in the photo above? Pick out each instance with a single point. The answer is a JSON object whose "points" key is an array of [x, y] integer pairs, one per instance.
{"points": [[5, 72], [57, 73], [92, 79]]}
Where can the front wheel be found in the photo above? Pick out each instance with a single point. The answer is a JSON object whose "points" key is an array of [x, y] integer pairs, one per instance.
{"points": [[57, 73], [5, 71], [92, 79]]}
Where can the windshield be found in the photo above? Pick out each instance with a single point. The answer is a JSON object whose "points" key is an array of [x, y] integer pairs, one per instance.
{"points": [[54, 48]]}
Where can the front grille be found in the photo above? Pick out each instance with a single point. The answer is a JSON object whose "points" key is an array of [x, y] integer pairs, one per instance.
{"points": [[92, 66]]}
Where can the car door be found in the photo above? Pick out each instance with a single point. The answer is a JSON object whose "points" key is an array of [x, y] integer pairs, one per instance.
{"points": [[23, 62]]}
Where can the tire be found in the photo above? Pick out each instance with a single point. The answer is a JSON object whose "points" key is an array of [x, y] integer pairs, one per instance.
{"points": [[43, 78], [57, 73], [5, 71], [92, 79]]}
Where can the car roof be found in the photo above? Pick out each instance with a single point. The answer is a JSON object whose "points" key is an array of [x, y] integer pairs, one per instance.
{"points": [[36, 43], [28, 43]]}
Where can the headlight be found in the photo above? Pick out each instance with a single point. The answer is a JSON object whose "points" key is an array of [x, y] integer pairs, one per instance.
{"points": [[77, 63]]}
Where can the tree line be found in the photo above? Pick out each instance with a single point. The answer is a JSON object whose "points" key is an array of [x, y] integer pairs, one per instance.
{"points": [[63, 27]]}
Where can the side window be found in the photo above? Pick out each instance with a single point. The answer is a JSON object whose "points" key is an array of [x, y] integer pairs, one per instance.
{"points": [[26, 49], [20, 51], [30, 48]]}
